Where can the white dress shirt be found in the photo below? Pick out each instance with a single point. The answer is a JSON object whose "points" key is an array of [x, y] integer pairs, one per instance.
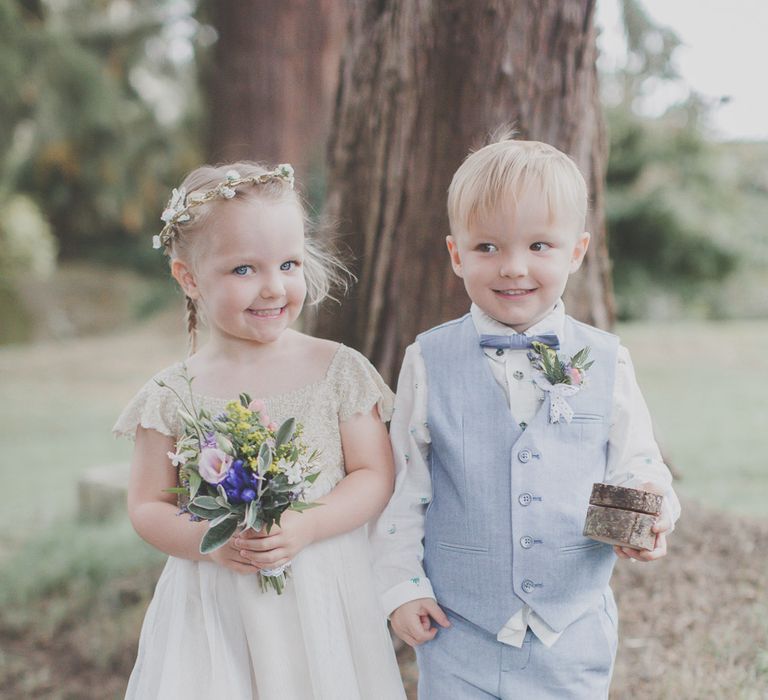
{"points": [[633, 458]]}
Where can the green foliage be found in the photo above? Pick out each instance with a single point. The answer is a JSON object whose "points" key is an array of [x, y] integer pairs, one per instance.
{"points": [[675, 204], [81, 138], [27, 245]]}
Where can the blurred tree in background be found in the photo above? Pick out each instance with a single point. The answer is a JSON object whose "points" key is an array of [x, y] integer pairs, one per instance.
{"points": [[680, 215], [100, 109], [421, 84], [101, 117], [271, 83]]}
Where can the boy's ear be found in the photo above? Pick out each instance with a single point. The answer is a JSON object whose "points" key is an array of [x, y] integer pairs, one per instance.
{"points": [[183, 274], [579, 251], [453, 251]]}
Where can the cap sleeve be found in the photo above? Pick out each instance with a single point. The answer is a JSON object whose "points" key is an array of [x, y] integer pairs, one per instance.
{"points": [[154, 407], [359, 386]]}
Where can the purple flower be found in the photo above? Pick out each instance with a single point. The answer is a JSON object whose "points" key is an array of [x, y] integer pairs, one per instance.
{"points": [[209, 440], [240, 483], [214, 465]]}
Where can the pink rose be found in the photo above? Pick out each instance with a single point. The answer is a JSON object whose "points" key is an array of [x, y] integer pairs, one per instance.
{"points": [[258, 406], [273, 426], [575, 376], [214, 465]]}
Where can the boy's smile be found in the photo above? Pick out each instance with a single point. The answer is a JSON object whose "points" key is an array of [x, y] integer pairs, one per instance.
{"points": [[515, 260]]}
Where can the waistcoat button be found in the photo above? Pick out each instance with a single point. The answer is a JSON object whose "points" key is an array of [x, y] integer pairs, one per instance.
{"points": [[526, 542], [524, 456], [517, 374], [528, 585], [524, 499], [499, 352]]}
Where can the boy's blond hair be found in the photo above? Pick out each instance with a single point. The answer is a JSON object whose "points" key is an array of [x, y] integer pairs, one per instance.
{"points": [[498, 174]]}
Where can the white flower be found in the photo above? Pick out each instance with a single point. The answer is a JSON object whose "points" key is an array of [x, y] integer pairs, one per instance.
{"points": [[285, 170], [232, 175], [291, 470], [177, 459], [227, 192], [176, 206], [157, 243]]}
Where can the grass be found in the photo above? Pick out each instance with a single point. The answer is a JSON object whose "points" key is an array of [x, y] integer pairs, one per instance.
{"points": [[705, 386]]}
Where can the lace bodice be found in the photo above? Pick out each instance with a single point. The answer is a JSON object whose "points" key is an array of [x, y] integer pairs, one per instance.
{"points": [[350, 385]]}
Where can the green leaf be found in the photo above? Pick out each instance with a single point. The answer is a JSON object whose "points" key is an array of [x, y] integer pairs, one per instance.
{"points": [[195, 481], [245, 400], [205, 513], [218, 534], [252, 517], [224, 444], [207, 502], [301, 506], [285, 432], [265, 458], [224, 516], [312, 477], [188, 418], [176, 489], [579, 357]]}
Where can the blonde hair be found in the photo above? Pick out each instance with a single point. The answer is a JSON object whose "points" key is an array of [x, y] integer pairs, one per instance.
{"points": [[324, 270], [499, 172]]}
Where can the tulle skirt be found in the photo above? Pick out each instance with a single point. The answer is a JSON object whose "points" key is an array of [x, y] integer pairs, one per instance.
{"points": [[211, 633]]}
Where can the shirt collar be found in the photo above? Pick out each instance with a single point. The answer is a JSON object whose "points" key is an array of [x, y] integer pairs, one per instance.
{"points": [[553, 322]]}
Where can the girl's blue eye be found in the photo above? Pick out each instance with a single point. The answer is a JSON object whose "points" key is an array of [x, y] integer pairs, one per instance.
{"points": [[539, 246], [242, 270], [287, 266]]}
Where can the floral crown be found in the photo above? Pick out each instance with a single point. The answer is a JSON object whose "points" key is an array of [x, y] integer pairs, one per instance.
{"points": [[178, 207]]}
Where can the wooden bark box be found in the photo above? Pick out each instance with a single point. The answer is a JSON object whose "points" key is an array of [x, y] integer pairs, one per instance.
{"points": [[622, 516]]}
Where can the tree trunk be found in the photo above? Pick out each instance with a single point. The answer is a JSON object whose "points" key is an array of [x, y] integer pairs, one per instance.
{"points": [[421, 82], [274, 77]]}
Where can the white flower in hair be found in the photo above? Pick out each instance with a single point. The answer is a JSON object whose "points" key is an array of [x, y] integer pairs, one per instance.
{"points": [[232, 175], [156, 242], [175, 211], [285, 171], [227, 192]]}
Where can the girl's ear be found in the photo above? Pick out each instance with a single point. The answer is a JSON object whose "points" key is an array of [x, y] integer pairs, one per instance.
{"points": [[183, 274]]}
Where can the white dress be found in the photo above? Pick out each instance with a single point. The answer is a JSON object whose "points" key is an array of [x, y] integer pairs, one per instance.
{"points": [[211, 633]]}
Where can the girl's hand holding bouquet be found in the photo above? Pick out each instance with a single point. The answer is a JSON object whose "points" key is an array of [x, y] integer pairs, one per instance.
{"points": [[241, 472]]}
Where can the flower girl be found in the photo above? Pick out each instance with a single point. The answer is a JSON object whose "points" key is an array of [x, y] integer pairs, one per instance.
{"points": [[235, 236]]}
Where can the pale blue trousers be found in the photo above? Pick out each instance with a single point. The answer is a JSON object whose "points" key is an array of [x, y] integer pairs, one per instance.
{"points": [[465, 662]]}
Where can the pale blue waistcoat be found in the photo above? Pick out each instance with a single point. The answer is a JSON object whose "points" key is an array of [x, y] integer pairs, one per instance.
{"points": [[504, 524]]}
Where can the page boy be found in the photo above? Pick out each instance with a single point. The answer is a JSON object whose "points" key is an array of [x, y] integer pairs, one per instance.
{"points": [[496, 460]]}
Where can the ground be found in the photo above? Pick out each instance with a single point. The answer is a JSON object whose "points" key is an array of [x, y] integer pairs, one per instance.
{"points": [[692, 626]]}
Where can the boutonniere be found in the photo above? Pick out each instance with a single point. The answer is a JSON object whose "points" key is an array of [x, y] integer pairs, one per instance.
{"points": [[560, 378]]}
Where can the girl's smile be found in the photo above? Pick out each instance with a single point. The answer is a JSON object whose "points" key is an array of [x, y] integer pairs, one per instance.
{"points": [[268, 313]]}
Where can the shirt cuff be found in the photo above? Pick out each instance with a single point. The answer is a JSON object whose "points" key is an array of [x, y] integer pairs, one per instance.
{"points": [[412, 589]]}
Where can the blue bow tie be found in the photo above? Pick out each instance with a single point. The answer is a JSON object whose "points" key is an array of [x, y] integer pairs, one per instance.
{"points": [[518, 341]]}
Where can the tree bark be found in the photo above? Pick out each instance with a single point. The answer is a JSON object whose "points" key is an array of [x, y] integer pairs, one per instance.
{"points": [[273, 80], [421, 82]]}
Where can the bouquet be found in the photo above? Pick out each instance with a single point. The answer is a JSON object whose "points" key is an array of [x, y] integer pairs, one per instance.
{"points": [[238, 470]]}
